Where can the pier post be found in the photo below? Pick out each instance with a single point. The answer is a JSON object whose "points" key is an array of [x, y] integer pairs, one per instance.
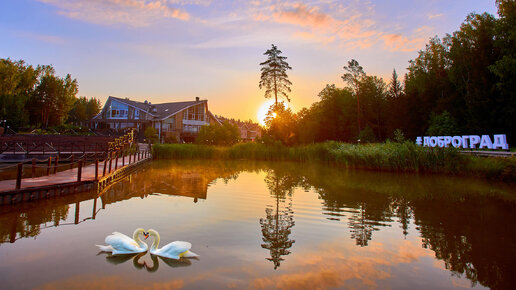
{"points": [[77, 207], [123, 158], [130, 157], [49, 164], [105, 163], [33, 167], [94, 214], [79, 170], [110, 161], [56, 162], [19, 175], [96, 169], [116, 161]]}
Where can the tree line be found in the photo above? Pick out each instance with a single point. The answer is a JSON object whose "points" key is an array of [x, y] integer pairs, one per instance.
{"points": [[462, 83], [35, 97]]}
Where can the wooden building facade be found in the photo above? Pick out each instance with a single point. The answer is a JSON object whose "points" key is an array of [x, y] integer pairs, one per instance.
{"points": [[179, 120]]}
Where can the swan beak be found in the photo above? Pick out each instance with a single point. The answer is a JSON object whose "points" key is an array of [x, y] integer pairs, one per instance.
{"points": [[145, 235]]}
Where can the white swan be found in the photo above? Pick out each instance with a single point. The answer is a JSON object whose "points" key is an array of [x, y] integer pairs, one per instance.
{"points": [[121, 244], [174, 250]]}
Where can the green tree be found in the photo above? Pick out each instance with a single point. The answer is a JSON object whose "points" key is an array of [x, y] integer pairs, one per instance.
{"points": [[17, 83], [367, 135], [226, 134], [53, 98], [151, 134], [395, 105], [426, 84], [281, 124], [353, 77], [442, 125], [335, 114], [83, 110], [274, 76], [505, 67], [371, 91]]}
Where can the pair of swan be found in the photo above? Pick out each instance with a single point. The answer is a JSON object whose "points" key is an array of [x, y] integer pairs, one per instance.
{"points": [[119, 244]]}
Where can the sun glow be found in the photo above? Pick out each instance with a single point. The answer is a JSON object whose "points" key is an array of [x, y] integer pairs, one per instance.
{"points": [[264, 108]]}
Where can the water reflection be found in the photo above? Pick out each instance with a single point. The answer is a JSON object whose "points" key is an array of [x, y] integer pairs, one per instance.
{"points": [[29, 219], [277, 226], [467, 224], [151, 267]]}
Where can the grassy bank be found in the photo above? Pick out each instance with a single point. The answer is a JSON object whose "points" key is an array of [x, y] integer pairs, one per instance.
{"points": [[405, 157]]}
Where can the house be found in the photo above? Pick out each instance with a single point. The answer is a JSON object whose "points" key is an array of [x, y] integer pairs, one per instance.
{"points": [[178, 120], [249, 131]]}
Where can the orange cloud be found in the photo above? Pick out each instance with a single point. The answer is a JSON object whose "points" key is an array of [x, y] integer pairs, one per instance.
{"points": [[398, 42], [132, 12], [319, 26], [110, 282], [302, 15], [432, 16], [336, 265]]}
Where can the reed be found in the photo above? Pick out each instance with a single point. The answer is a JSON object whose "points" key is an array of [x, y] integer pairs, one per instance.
{"points": [[389, 156]]}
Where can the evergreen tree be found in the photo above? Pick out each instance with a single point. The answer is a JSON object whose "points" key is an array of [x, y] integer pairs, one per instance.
{"points": [[395, 88], [274, 76], [354, 75]]}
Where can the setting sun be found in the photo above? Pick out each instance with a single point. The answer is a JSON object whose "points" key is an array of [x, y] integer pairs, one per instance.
{"points": [[264, 108], [262, 112]]}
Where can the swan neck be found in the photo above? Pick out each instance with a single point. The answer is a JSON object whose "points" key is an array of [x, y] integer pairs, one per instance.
{"points": [[155, 243], [136, 238]]}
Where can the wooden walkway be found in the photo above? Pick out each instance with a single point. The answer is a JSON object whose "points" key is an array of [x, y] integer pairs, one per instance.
{"points": [[92, 177], [67, 176]]}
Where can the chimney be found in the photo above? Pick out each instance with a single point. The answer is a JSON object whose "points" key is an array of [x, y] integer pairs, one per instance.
{"points": [[197, 99]]}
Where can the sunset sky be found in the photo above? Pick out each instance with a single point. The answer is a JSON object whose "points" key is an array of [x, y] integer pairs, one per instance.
{"points": [[176, 50]]}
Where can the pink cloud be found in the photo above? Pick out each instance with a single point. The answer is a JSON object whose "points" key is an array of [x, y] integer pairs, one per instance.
{"points": [[302, 15], [318, 26], [135, 13], [398, 42]]}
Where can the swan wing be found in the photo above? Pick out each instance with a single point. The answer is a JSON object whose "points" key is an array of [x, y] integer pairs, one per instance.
{"points": [[174, 250], [123, 244]]}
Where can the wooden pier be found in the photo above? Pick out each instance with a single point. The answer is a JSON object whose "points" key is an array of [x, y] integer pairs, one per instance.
{"points": [[98, 175]]}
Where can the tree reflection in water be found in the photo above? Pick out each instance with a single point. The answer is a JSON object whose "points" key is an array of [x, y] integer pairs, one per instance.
{"points": [[277, 226], [468, 224]]}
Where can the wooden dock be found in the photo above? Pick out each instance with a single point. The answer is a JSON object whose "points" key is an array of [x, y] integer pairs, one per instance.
{"points": [[98, 175]]}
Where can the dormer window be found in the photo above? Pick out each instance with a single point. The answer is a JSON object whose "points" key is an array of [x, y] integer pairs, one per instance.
{"points": [[118, 110]]}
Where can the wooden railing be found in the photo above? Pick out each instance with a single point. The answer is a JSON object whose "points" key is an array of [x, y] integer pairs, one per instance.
{"points": [[102, 151], [109, 164], [53, 144]]}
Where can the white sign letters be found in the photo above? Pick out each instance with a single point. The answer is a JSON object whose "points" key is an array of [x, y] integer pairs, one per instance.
{"points": [[499, 141]]}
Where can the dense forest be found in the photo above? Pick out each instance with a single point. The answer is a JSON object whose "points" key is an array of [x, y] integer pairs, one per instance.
{"points": [[35, 97], [463, 83]]}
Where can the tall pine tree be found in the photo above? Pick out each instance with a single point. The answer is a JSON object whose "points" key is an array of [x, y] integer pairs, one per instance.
{"points": [[274, 76]]}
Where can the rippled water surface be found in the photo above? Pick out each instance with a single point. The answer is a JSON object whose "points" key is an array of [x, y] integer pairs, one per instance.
{"points": [[269, 225]]}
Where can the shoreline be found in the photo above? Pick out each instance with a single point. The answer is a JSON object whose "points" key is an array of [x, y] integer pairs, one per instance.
{"points": [[389, 157]]}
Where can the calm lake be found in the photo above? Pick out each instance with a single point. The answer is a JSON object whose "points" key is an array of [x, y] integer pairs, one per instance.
{"points": [[269, 225]]}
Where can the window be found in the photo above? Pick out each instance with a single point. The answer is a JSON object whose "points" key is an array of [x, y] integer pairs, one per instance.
{"points": [[118, 110], [195, 113], [169, 124], [191, 128]]}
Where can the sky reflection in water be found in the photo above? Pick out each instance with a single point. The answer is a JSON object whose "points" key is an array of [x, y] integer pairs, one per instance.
{"points": [[264, 225]]}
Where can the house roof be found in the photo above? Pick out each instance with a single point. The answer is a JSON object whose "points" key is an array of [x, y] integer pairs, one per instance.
{"points": [[168, 109], [162, 111], [139, 105]]}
